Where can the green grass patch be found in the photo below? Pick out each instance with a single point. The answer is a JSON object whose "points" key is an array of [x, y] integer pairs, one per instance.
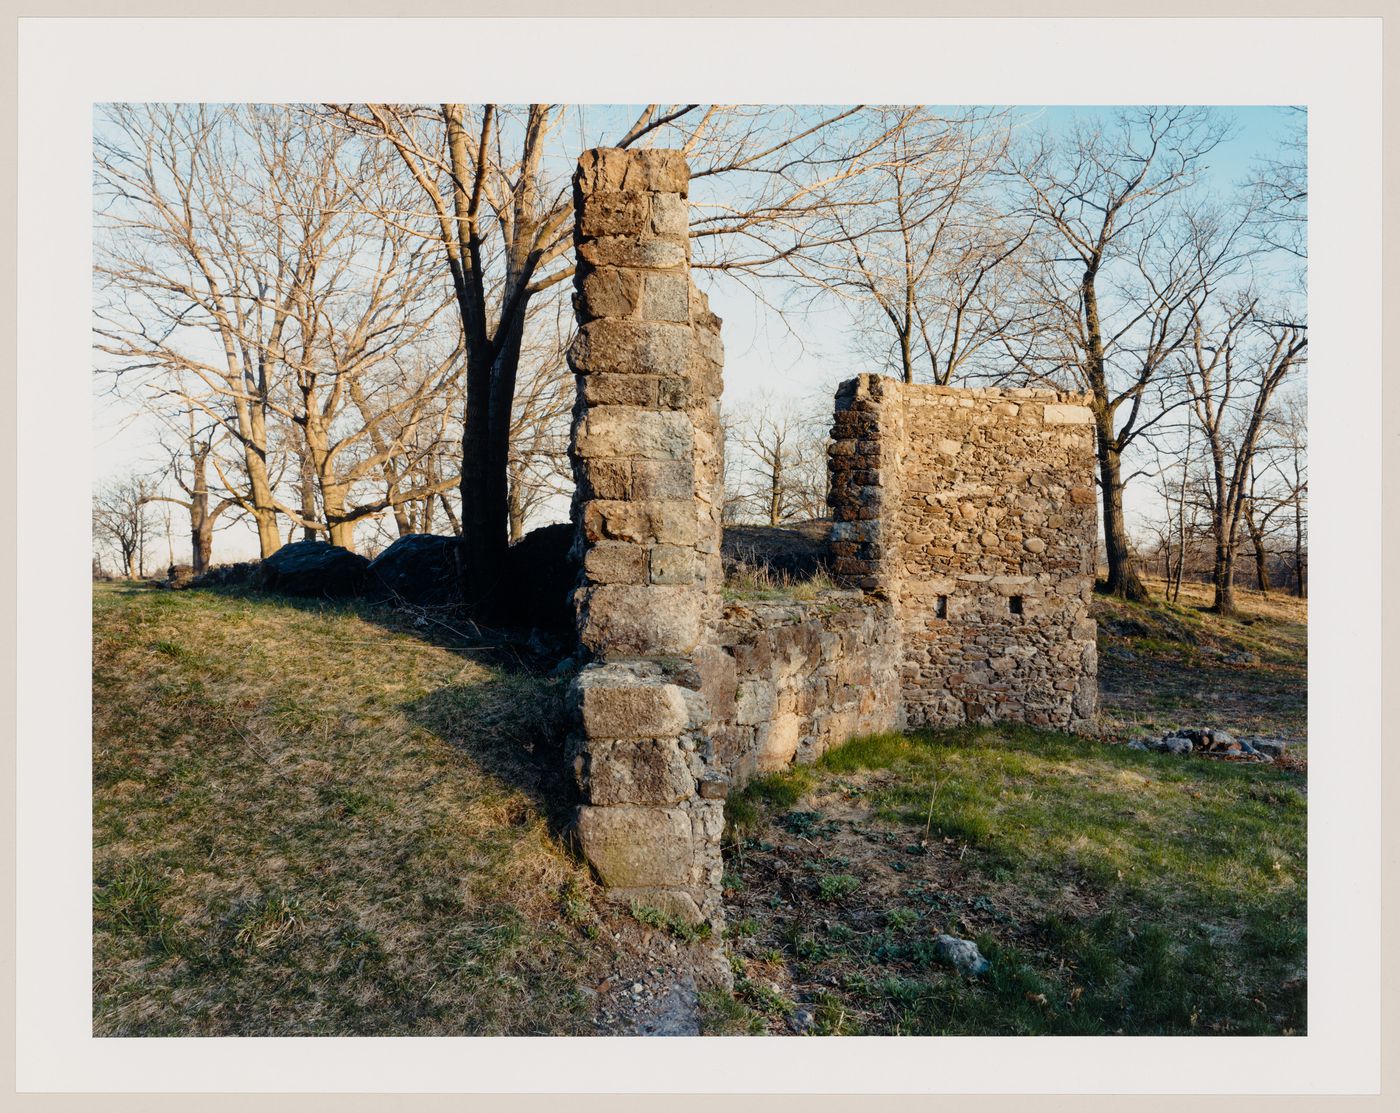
{"points": [[309, 820], [1112, 890]]}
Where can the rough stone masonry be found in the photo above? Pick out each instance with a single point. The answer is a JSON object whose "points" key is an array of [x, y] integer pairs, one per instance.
{"points": [[964, 534]]}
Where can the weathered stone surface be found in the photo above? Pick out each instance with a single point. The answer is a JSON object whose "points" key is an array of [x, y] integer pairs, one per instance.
{"points": [[662, 479], [666, 297], [607, 169], [420, 568], [961, 954], [608, 291], [664, 521], [618, 705], [975, 511], [670, 216], [634, 847], [615, 562], [672, 564], [624, 346], [1059, 414], [614, 213], [627, 251], [619, 390], [314, 568], [636, 621], [646, 771], [674, 904], [621, 431]]}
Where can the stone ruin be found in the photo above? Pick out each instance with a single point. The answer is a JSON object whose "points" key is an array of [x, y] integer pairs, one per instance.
{"points": [[964, 541]]}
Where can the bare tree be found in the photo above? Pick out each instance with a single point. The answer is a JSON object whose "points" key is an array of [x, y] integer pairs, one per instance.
{"points": [[121, 520], [1122, 266], [775, 466], [188, 468], [1238, 360], [495, 180], [1281, 191], [250, 274], [1288, 462], [915, 245], [179, 297]]}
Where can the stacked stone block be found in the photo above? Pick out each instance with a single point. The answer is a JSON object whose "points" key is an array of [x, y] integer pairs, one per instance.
{"points": [[973, 511], [803, 677], [645, 449], [863, 464], [965, 518]]}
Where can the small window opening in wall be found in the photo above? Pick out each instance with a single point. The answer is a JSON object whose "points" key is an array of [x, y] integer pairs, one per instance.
{"points": [[1018, 604], [941, 607]]}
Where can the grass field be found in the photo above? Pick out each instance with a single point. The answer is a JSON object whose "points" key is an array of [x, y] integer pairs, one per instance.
{"points": [[308, 822], [1165, 665], [322, 819], [1113, 891]]}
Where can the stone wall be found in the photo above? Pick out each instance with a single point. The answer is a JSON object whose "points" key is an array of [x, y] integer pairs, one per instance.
{"points": [[973, 513], [647, 468], [801, 678], [964, 525]]}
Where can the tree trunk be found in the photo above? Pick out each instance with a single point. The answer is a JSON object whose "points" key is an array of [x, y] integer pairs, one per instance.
{"points": [[203, 546], [1224, 580], [486, 471], [1225, 526], [1261, 555], [308, 497], [1300, 587], [483, 539], [1123, 579], [517, 514], [906, 355], [201, 525], [340, 531]]}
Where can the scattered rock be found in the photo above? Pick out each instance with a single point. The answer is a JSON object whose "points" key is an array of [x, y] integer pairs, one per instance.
{"points": [[541, 574], [418, 568], [244, 573], [802, 1021], [179, 577], [962, 954], [316, 569], [1167, 744], [792, 552], [1208, 742], [1269, 747]]}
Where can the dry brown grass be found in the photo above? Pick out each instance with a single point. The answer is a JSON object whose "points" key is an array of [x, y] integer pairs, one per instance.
{"points": [[1164, 664], [310, 821]]}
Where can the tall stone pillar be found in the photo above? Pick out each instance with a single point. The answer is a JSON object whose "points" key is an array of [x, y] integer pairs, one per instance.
{"points": [[647, 465]]}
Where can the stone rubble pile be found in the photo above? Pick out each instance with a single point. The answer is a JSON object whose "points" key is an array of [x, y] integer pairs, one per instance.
{"points": [[1212, 742]]}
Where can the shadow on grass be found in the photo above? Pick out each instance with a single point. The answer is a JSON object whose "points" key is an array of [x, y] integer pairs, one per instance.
{"points": [[512, 726], [523, 650]]}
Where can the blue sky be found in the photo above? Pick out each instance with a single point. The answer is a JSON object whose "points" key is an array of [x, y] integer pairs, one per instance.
{"points": [[802, 358]]}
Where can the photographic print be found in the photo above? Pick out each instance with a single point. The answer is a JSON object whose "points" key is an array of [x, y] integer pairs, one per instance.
{"points": [[771, 569]]}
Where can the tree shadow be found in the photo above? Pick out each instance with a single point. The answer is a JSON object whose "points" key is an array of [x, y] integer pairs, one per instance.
{"points": [[524, 650], [513, 728], [512, 723]]}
